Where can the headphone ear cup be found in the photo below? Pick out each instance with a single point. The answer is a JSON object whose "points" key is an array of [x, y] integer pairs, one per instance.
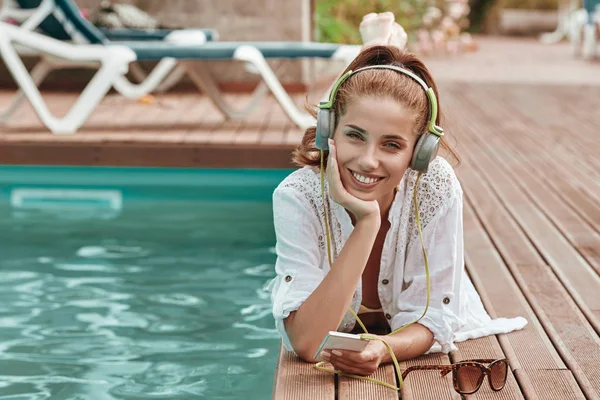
{"points": [[323, 128], [425, 151], [331, 123]]}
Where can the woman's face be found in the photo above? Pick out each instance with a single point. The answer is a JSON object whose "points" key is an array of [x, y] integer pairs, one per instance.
{"points": [[374, 142]]}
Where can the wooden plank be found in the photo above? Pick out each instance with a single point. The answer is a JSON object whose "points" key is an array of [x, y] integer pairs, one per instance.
{"points": [[274, 129], [356, 389], [273, 132], [529, 350], [561, 318], [521, 162], [251, 131], [558, 110], [560, 127], [575, 186], [581, 235], [226, 132], [580, 280], [299, 380], [428, 385], [202, 132]]}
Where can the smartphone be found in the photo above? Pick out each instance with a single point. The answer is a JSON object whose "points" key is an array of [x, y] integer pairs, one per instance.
{"points": [[341, 341]]}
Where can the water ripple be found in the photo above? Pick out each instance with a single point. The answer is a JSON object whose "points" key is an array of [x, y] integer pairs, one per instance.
{"points": [[147, 391], [260, 270], [180, 299], [48, 379], [139, 307], [112, 252]]}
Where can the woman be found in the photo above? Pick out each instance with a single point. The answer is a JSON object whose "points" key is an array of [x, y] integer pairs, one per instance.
{"points": [[378, 265]]}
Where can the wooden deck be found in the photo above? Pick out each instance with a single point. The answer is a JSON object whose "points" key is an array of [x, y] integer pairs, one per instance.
{"points": [[531, 176], [526, 127]]}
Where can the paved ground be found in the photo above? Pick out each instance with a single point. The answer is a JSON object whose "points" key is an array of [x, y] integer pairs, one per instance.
{"points": [[522, 60]]}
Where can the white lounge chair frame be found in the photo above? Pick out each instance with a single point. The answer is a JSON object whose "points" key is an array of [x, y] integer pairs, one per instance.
{"points": [[112, 62], [56, 54]]}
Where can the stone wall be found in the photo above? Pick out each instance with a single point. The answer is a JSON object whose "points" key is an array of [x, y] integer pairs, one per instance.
{"points": [[235, 20]]}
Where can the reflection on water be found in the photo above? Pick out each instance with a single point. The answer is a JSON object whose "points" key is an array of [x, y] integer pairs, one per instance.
{"points": [[166, 301]]}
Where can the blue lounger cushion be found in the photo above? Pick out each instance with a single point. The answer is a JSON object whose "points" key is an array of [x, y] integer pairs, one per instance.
{"points": [[226, 50], [149, 34]]}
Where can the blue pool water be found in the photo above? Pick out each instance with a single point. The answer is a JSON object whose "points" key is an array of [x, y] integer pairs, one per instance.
{"points": [[136, 283]]}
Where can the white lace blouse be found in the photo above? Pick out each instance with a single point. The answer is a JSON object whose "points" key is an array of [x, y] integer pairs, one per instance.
{"points": [[455, 311]]}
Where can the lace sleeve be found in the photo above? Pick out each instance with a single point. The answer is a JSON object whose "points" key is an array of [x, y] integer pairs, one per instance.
{"points": [[298, 256], [439, 199]]}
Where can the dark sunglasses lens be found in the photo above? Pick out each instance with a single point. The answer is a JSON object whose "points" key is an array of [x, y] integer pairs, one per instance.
{"points": [[498, 375], [469, 378]]}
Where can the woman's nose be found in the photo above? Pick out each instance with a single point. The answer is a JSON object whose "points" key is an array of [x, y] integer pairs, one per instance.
{"points": [[368, 160]]}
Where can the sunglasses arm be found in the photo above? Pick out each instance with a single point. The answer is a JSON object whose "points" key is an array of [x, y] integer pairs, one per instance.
{"points": [[445, 369], [485, 361]]}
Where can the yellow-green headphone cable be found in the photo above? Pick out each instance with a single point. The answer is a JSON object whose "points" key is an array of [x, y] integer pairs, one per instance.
{"points": [[366, 335]]}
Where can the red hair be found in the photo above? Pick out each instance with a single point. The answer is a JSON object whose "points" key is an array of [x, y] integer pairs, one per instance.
{"points": [[379, 83]]}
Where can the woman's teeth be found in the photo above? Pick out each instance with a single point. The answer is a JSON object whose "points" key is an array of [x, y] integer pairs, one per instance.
{"points": [[364, 179]]}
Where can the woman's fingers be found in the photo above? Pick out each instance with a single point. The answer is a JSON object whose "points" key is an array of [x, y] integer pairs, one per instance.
{"points": [[349, 367], [336, 187], [368, 355], [339, 194]]}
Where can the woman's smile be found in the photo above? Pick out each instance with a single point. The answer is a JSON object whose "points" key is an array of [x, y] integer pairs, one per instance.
{"points": [[364, 181]]}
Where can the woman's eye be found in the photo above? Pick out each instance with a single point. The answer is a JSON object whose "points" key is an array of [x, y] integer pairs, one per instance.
{"points": [[353, 135], [393, 145]]}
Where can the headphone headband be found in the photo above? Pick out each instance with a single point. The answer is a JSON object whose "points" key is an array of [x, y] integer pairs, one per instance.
{"points": [[433, 106]]}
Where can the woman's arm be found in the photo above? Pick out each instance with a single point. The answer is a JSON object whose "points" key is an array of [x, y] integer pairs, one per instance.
{"points": [[407, 344], [325, 308]]}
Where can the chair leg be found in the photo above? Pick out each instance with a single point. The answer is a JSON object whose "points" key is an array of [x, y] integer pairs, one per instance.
{"points": [[38, 74], [562, 29], [171, 80], [253, 56], [137, 72], [576, 25], [85, 104], [39, 15], [203, 79], [589, 42], [149, 84], [91, 96]]}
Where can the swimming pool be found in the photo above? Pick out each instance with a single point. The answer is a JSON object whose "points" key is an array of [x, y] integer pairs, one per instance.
{"points": [[121, 283]]}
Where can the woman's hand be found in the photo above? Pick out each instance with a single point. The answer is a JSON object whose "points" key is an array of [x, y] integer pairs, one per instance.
{"points": [[359, 208], [363, 363], [381, 29]]}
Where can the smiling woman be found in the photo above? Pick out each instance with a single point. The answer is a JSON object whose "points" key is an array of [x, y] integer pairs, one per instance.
{"points": [[393, 211], [374, 153]]}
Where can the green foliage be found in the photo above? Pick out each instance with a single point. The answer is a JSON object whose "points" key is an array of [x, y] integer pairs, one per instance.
{"points": [[338, 20], [529, 4]]}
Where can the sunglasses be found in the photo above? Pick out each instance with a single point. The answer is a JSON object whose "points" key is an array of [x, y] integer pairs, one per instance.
{"points": [[468, 375]]}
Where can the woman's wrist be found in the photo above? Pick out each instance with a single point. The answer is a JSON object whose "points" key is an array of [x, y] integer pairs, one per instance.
{"points": [[383, 352], [371, 220]]}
